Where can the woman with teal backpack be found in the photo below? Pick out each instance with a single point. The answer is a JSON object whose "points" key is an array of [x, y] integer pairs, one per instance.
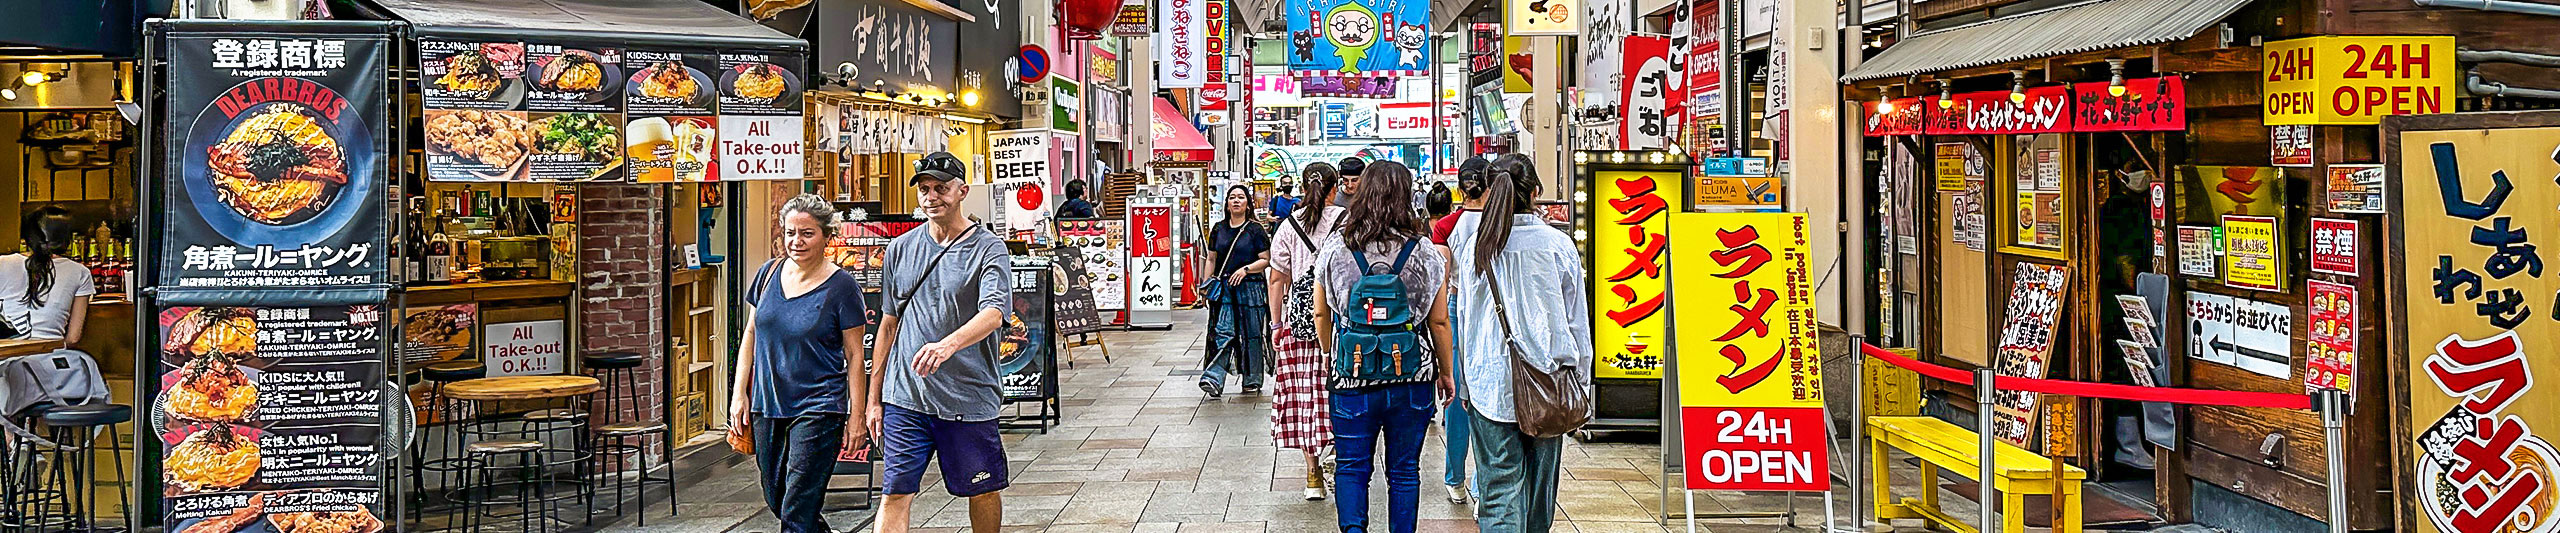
{"points": [[1382, 319]]}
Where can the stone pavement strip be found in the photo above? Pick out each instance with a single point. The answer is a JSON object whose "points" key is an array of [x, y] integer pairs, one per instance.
{"points": [[1142, 450]]}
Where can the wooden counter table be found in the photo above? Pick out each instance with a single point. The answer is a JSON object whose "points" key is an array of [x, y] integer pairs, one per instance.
{"points": [[526, 289], [15, 348]]}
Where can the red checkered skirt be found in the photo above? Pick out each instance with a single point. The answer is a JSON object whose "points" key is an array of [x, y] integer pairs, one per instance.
{"points": [[1300, 417]]}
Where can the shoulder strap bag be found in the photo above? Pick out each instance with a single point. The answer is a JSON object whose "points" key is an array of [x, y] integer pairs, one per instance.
{"points": [[1546, 403]]}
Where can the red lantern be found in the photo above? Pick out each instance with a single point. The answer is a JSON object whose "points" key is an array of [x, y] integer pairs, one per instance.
{"points": [[1088, 20]]}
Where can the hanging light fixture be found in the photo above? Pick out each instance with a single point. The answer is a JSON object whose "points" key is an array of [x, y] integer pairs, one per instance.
{"points": [[32, 77], [2018, 87], [1884, 102], [1946, 94], [2115, 78]]}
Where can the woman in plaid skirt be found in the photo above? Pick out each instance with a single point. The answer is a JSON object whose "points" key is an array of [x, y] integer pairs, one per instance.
{"points": [[1300, 417]]}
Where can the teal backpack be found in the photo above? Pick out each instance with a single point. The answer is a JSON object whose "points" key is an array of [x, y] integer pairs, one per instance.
{"points": [[1376, 337]]}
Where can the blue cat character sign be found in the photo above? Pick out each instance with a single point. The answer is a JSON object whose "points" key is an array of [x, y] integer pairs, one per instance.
{"points": [[1359, 37]]}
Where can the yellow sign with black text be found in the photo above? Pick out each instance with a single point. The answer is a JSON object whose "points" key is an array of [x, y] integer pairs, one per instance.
{"points": [[2341, 80]]}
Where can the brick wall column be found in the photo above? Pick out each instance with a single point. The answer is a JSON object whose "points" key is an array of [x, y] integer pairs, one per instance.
{"points": [[622, 273]]}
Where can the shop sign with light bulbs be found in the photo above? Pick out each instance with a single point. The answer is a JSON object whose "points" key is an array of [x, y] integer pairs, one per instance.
{"points": [[2146, 104], [2149, 104], [2028, 110]]}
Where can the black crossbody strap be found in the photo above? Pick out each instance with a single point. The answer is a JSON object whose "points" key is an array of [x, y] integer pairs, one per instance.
{"points": [[908, 297], [755, 291]]}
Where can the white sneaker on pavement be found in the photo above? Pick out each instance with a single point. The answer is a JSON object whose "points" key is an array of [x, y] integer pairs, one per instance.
{"points": [[1458, 494], [1315, 494]]}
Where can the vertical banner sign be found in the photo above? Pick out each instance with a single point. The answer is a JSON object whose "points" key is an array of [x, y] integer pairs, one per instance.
{"points": [[273, 414], [2252, 253], [1026, 346], [1216, 42], [1751, 380], [2344, 81], [1019, 162], [573, 98], [1182, 60], [1359, 38], [1150, 256], [1628, 237], [1600, 65], [472, 98], [274, 156], [2026, 346], [2476, 325], [2330, 361], [1650, 88], [673, 131], [1542, 17], [2333, 246], [760, 120]]}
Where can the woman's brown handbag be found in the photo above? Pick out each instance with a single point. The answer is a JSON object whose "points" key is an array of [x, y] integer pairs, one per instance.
{"points": [[1547, 403]]}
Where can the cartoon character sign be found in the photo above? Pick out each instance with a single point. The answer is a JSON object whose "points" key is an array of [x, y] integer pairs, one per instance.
{"points": [[1356, 37]]}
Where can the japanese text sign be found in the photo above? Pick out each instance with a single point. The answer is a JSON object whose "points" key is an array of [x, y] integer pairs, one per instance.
{"points": [[2026, 345], [2338, 80], [1751, 380], [2046, 110], [1150, 257], [2333, 246], [1651, 88], [2476, 324], [1131, 21], [2331, 361], [2252, 253], [2148, 104], [1900, 116], [231, 216], [1628, 239], [1182, 60]]}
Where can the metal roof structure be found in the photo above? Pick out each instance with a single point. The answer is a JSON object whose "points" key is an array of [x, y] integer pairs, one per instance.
{"points": [[2099, 25]]}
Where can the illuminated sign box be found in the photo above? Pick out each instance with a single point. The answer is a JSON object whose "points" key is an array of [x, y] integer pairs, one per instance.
{"points": [[2356, 80]]}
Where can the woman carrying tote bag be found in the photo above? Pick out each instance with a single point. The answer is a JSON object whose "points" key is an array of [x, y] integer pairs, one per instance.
{"points": [[1522, 360]]}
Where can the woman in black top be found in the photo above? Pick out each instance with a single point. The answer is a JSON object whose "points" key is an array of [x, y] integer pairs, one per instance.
{"points": [[1239, 246]]}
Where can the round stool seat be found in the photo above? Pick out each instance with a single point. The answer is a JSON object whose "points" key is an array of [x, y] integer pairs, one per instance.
{"points": [[87, 415], [503, 446], [452, 371], [36, 410], [613, 360], [554, 414], [626, 429]]}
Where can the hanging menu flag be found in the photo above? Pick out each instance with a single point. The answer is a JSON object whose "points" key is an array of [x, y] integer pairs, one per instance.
{"points": [[573, 100], [275, 170], [760, 122], [272, 414], [472, 98], [669, 100], [1651, 88]]}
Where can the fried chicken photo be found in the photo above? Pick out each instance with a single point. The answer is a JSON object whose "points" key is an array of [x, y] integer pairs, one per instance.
{"points": [[277, 166], [211, 389], [212, 459], [493, 138], [355, 521]]}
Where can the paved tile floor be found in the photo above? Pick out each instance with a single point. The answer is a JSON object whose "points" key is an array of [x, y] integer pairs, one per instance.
{"points": [[1142, 450]]}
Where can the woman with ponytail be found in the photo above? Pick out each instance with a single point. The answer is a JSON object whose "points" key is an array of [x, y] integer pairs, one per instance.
{"points": [[1511, 251], [42, 294], [1301, 419]]}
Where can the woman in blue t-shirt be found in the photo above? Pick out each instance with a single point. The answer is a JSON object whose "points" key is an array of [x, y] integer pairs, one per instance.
{"points": [[798, 377]]}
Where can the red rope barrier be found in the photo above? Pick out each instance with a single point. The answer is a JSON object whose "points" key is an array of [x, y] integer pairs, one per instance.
{"points": [[2100, 390]]}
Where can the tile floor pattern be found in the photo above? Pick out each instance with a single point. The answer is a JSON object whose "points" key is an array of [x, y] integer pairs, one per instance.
{"points": [[1142, 450]]}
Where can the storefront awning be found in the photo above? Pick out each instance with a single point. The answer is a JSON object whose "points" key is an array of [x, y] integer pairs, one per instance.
{"points": [[680, 23], [2099, 25], [1176, 140]]}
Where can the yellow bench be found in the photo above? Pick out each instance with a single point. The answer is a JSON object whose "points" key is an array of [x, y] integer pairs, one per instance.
{"points": [[2018, 473]]}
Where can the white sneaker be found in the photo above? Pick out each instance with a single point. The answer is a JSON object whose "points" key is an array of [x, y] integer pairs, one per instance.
{"points": [[1315, 494], [1458, 494]]}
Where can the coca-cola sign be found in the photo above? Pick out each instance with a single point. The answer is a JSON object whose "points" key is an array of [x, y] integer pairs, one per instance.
{"points": [[2044, 110]]}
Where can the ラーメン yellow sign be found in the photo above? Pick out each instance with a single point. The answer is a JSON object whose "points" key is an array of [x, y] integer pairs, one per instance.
{"points": [[1745, 311], [2340, 80], [2477, 327], [1630, 238]]}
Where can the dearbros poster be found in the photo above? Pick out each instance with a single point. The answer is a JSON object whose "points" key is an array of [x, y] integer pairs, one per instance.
{"points": [[271, 414], [274, 174]]}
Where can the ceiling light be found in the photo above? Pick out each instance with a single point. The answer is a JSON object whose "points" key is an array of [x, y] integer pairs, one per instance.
{"points": [[2115, 78], [1946, 95], [969, 98], [2018, 87], [32, 77], [8, 94]]}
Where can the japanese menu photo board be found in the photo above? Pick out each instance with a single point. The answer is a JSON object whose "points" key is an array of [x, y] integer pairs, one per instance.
{"points": [[272, 165], [569, 112], [273, 414]]}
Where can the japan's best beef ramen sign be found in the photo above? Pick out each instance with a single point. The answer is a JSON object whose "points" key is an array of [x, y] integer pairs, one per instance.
{"points": [[2475, 303]]}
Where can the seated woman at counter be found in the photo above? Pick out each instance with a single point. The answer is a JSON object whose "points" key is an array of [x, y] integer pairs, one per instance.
{"points": [[42, 294]]}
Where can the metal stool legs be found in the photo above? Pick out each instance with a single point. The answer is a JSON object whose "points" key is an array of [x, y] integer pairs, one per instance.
{"points": [[627, 442]]}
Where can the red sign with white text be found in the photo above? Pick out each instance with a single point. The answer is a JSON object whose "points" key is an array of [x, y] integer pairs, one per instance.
{"points": [[1904, 118], [2046, 110], [2333, 246], [1213, 96], [1755, 448], [2148, 104]]}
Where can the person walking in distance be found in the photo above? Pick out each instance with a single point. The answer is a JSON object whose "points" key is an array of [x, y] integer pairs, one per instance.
{"points": [[1237, 307], [1301, 419], [1381, 315], [1453, 417], [946, 287], [797, 385], [1511, 250]]}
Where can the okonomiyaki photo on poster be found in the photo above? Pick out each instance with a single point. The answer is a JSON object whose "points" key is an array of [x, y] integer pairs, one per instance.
{"points": [[277, 140]]}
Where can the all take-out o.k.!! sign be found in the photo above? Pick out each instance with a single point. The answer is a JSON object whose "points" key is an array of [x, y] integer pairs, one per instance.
{"points": [[1751, 380], [2338, 80]]}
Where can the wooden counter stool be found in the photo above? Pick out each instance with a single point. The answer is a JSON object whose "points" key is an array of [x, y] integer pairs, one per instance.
{"points": [[74, 430], [627, 441], [512, 467], [449, 462]]}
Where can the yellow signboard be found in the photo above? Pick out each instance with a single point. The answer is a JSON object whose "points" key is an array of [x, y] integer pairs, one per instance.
{"points": [[1951, 166], [2252, 254], [1736, 191], [2340, 80], [2478, 327], [1630, 235], [1515, 65], [1745, 311]]}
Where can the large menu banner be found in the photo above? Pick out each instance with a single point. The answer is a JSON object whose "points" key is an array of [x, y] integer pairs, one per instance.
{"points": [[271, 414], [2473, 304], [1150, 256], [1629, 235], [572, 112], [1750, 375], [274, 161]]}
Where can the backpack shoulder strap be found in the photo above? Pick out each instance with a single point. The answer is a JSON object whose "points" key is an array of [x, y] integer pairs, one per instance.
{"points": [[1403, 255], [1359, 259]]}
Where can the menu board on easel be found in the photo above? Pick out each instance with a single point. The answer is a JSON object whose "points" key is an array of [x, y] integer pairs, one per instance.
{"points": [[2026, 344]]}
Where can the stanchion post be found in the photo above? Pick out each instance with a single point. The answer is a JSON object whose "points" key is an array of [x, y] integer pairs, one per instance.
{"points": [[2333, 421], [1983, 400], [1857, 430]]}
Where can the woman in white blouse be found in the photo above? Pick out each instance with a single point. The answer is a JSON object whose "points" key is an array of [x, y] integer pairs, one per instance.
{"points": [[1541, 270], [42, 294]]}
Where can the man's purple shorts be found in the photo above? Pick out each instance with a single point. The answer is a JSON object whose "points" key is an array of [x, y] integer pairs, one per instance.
{"points": [[973, 461]]}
